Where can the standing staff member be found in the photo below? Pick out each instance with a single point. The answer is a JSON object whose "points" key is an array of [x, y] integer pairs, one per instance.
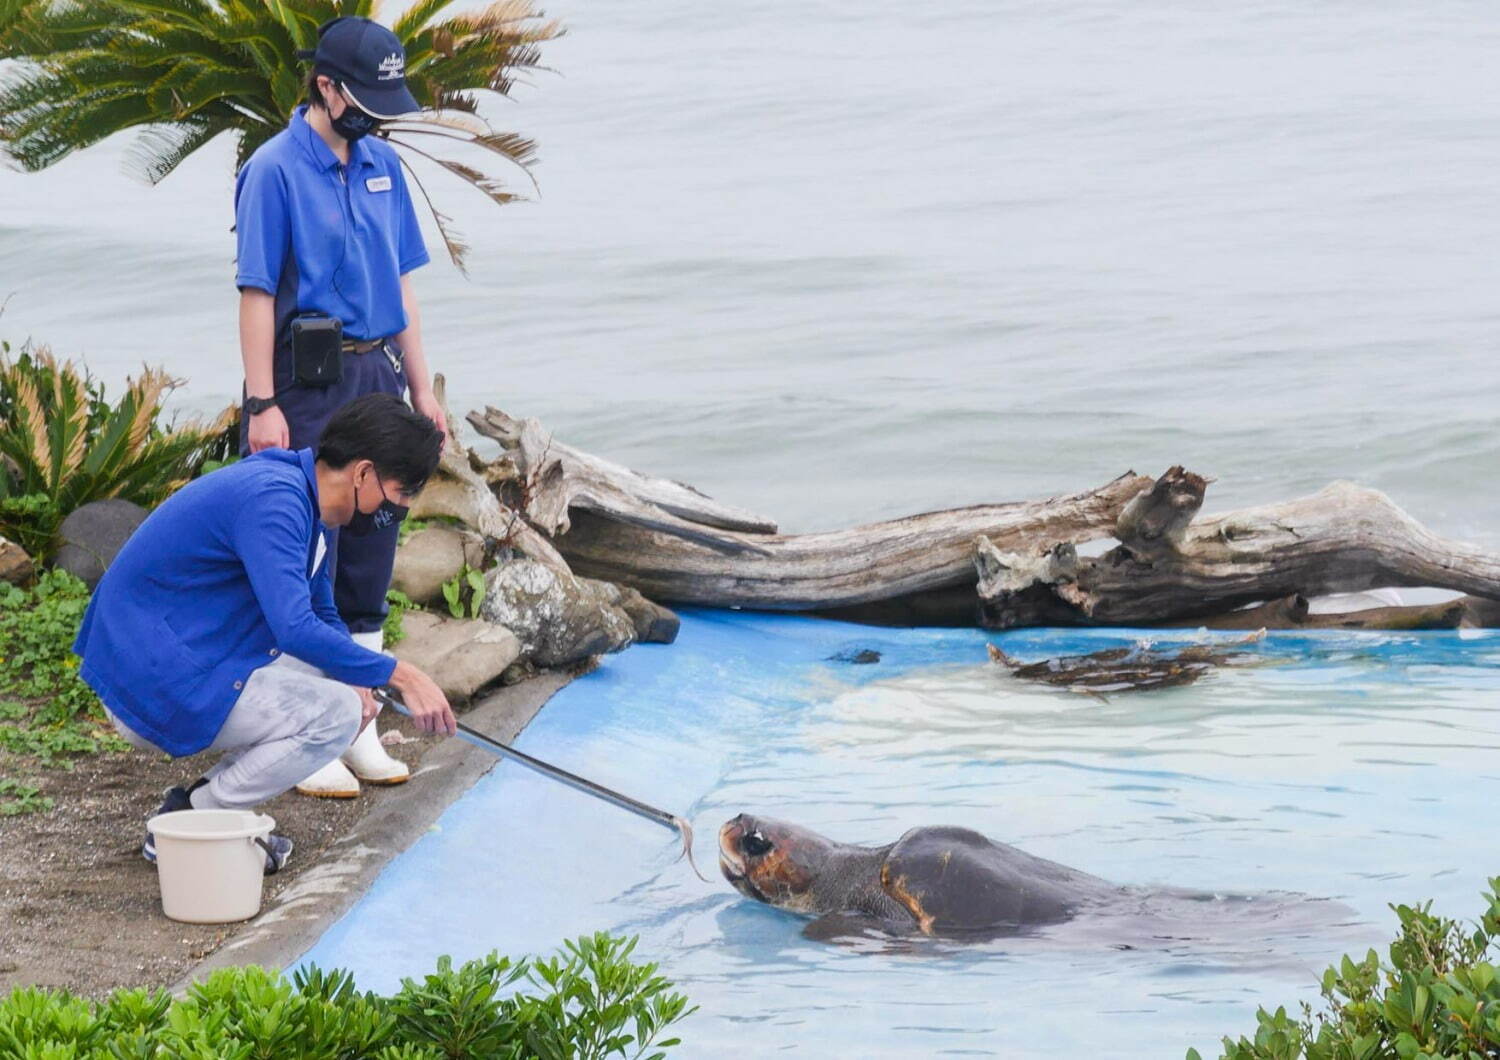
{"points": [[327, 239]]}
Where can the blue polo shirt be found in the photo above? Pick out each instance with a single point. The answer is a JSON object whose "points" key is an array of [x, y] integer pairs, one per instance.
{"points": [[217, 582], [325, 237]]}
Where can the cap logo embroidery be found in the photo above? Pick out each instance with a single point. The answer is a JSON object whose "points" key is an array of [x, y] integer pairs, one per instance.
{"points": [[391, 68]]}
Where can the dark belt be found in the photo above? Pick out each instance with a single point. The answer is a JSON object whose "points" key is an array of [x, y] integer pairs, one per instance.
{"points": [[360, 346]]}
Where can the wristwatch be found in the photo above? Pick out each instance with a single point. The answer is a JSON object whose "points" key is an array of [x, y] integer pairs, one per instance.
{"points": [[255, 406]]}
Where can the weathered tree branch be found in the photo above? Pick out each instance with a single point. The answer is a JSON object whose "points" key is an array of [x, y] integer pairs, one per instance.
{"points": [[562, 478], [835, 569], [459, 490], [1169, 566], [1293, 612], [673, 543]]}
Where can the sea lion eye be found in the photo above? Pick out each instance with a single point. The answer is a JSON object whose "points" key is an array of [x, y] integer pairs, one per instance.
{"points": [[755, 844]]}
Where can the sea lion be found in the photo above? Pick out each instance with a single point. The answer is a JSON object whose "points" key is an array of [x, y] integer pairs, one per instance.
{"points": [[944, 882]]}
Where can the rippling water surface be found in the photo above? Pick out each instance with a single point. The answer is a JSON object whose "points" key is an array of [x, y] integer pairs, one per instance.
{"points": [[840, 260], [1349, 770]]}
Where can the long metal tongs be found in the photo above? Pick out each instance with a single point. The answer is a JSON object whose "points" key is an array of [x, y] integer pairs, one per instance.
{"points": [[588, 787]]}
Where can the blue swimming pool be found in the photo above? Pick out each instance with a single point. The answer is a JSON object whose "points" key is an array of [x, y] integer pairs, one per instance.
{"points": [[1355, 767]]}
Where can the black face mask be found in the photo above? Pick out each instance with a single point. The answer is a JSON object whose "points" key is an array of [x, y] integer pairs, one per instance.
{"points": [[364, 523], [353, 123]]}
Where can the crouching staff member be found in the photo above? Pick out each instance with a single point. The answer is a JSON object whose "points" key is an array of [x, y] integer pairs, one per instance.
{"points": [[215, 628], [327, 236]]}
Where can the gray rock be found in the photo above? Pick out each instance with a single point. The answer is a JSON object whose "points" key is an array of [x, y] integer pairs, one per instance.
{"points": [[559, 618], [432, 556], [15, 564], [654, 624], [93, 535], [461, 655], [518, 671]]}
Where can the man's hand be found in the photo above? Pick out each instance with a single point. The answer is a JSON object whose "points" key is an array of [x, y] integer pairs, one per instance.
{"points": [[424, 700], [426, 403], [269, 429], [369, 707]]}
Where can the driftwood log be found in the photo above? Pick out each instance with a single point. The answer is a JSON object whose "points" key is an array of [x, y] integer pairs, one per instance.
{"points": [[464, 488], [1295, 612], [997, 565], [554, 477], [1137, 668], [676, 545], [1170, 564]]}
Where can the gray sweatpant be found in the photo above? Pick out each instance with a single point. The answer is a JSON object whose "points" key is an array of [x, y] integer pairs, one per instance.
{"points": [[289, 721]]}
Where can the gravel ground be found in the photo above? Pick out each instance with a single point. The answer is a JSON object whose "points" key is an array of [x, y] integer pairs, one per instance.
{"points": [[79, 906]]}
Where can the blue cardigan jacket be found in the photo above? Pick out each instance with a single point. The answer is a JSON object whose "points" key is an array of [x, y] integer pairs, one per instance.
{"points": [[217, 582]]}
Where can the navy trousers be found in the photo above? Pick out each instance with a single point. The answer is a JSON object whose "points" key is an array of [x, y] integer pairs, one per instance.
{"points": [[362, 565]]}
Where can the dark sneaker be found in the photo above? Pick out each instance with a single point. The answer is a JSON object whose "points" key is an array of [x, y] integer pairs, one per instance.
{"points": [[278, 848], [177, 799]]}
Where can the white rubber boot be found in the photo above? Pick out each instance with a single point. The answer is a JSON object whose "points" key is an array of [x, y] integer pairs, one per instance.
{"points": [[333, 781], [367, 757], [365, 760]]}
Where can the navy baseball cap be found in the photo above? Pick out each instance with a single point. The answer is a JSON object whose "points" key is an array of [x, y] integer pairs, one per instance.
{"points": [[368, 60]]}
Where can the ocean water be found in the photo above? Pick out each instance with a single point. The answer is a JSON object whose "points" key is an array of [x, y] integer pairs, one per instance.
{"points": [[1353, 770], [839, 261]]}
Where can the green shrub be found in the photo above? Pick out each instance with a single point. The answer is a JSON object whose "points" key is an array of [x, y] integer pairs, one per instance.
{"points": [[464, 592], [17, 798], [63, 444], [54, 712], [408, 526], [1437, 997], [398, 603], [589, 1002]]}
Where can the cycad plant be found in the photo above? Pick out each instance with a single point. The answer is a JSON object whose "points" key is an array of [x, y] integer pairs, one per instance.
{"points": [[185, 71], [63, 444]]}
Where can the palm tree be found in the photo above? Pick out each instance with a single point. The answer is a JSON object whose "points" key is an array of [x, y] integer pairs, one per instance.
{"points": [[185, 71]]}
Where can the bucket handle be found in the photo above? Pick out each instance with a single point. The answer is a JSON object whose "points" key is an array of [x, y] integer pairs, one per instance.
{"points": [[275, 866]]}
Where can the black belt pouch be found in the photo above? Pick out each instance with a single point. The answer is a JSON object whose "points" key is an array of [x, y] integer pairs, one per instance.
{"points": [[317, 347]]}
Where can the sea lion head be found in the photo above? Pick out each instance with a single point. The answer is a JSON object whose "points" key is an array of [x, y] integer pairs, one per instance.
{"points": [[774, 862]]}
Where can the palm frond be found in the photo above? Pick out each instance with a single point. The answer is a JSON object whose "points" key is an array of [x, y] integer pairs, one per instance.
{"points": [[159, 149], [184, 71], [34, 453], [487, 184], [146, 394], [10, 13], [508, 15], [186, 12], [514, 148], [67, 423], [457, 246], [415, 18], [466, 123]]}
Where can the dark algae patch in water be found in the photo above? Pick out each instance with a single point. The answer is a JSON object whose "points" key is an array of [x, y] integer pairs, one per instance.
{"points": [[856, 656], [1133, 669]]}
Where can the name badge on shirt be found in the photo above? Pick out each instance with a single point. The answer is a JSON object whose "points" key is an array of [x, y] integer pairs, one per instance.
{"points": [[378, 184]]}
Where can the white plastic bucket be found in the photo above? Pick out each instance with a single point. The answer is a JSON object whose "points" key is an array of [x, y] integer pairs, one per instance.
{"points": [[209, 863]]}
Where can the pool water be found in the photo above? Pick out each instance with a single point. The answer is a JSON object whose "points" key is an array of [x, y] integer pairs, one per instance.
{"points": [[1352, 769]]}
